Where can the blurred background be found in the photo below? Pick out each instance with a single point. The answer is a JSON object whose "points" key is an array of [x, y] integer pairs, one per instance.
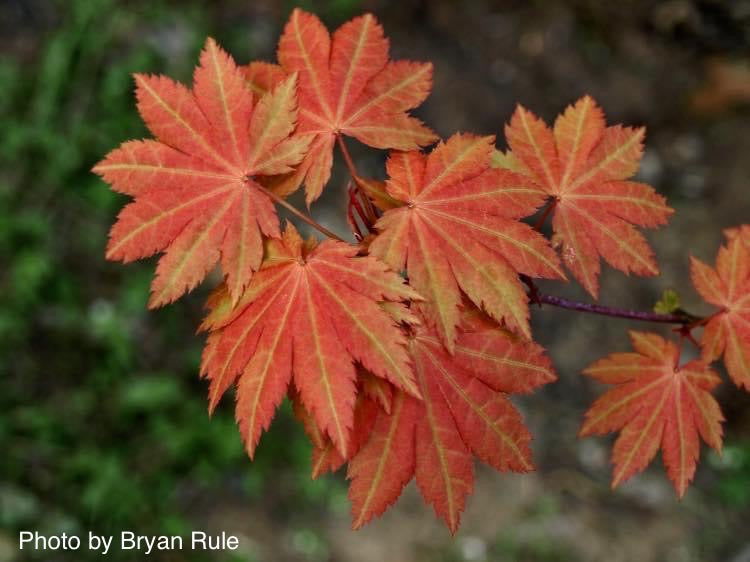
{"points": [[103, 422]]}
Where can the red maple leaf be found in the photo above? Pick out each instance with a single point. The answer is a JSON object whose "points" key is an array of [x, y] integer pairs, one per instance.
{"points": [[263, 77], [457, 227], [374, 393], [309, 313], [347, 86], [583, 165], [196, 198], [465, 411], [325, 456], [655, 405], [727, 331]]}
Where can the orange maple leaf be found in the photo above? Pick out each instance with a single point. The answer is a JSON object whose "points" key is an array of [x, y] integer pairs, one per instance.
{"points": [[457, 227], [465, 411], [262, 77], [655, 405], [309, 313], [373, 393], [728, 286], [347, 86], [583, 165], [196, 198], [325, 456]]}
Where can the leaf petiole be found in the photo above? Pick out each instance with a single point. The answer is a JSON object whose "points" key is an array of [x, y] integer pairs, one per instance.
{"points": [[370, 213], [299, 214]]}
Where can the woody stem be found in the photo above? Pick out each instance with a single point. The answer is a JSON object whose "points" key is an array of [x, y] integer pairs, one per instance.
{"points": [[682, 318], [299, 214]]}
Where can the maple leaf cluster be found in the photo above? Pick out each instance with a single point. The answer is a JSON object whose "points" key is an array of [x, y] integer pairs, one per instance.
{"points": [[400, 352]]}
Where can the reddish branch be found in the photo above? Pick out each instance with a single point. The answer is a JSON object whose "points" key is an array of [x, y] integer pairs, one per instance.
{"points": [[682, 318]]}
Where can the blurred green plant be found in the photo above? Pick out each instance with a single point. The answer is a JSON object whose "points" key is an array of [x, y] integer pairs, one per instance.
{"points": [[733, 467]]}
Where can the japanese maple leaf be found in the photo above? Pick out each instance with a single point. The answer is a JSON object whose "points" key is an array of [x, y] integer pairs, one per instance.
{"points": [[464, 412], [308, 314], [457, 228], [196, 196], [325, 456], [655, 405], [584, 166], [374, 393], [347, 86], [727, 331], [262, 77]]}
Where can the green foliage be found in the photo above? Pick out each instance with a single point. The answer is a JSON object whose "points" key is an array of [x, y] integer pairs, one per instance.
{"points": [[668, 303], [734, 469]]}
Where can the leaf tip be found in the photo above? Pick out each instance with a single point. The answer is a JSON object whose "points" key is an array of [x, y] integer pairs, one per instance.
{"points": [[140, 78], [585, 429]]}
